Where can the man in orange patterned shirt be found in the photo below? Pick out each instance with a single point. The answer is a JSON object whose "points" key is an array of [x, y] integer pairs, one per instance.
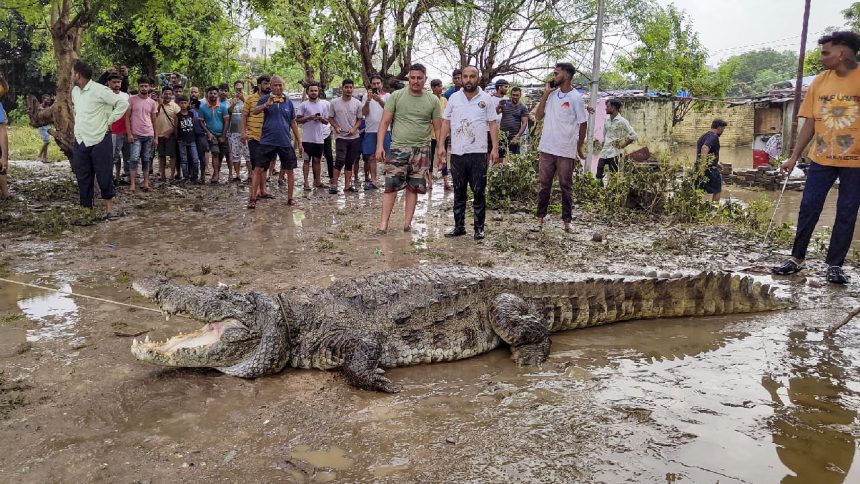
{"points": [[832, 119]]}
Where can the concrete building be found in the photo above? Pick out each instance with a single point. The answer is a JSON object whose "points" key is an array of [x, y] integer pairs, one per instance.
{"points": [[260, 45]]}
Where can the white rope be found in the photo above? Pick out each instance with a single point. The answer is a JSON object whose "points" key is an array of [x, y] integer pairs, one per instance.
{"points": [[45, 288]]}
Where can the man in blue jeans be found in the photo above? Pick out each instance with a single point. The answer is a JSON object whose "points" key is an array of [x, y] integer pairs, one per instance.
{"points": [[832, 119]]}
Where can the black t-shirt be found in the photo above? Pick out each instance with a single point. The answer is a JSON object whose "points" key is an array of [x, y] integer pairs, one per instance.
{"points": [[186, 124], [712, 141]]}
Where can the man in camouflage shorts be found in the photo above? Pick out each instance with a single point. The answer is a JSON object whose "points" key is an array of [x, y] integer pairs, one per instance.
{"points": [[414, 111], [407, 168]]}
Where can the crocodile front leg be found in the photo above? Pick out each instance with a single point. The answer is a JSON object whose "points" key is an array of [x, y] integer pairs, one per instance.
{"points": [[522, 328], [361, 365]]}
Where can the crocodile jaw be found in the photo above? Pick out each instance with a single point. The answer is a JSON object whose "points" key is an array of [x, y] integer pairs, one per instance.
{"points": [[218, 344]]}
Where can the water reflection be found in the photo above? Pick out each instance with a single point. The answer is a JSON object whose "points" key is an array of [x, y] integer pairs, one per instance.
{"points": [[55, 312], [811, 421]]}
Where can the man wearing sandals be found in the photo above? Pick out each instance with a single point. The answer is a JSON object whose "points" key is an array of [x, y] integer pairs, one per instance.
{"points": [[313, 115], [832, 112], [278, 120], [563, 112]]}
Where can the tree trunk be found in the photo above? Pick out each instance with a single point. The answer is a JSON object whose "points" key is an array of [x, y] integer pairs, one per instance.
{"points": [[66, 36], [149, 65]]}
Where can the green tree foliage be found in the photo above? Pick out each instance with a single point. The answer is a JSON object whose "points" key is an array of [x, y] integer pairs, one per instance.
{"points": [[522, 36], [313, 41], [758, 70], [852, 16], [20, 49], [196, 38], [383, 32], [670, 57]]}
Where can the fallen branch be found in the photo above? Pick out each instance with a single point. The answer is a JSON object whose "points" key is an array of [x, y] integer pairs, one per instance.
{"points": [[842, 323], [130, 335]]}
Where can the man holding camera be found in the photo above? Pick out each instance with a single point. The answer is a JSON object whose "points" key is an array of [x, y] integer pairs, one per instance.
{"points": [[374, 105], [279, 119], [563, 112]]}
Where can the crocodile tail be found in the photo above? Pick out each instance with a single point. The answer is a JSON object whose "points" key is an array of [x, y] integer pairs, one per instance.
{"points": [[597, 301]]}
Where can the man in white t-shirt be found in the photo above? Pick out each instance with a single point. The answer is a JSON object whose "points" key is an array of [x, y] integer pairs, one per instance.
{"points": [[564, 122], [313, 116], [374, 106], [470, 116]]}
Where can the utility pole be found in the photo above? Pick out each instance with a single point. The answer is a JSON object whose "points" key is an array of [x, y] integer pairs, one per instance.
{"points": [[595, 81], [798, 88]]}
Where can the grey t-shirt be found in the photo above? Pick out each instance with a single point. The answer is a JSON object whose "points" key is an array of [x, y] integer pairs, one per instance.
{"points": [[512, 116], [345, 113]]}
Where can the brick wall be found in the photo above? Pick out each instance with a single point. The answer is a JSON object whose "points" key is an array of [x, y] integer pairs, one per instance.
{"points": [[738, 133], [652, 120]]}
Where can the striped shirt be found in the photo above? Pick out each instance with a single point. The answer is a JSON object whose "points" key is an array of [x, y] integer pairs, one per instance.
{"points": [[255, 121]]}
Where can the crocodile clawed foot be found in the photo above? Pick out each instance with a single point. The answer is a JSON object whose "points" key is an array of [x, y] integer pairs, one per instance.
{"points": [[361, 366], [382, 383], [531, 354]]}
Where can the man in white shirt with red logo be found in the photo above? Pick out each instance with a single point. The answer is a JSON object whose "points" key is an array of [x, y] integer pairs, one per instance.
{"points": [[563, 112], [469, 116]]}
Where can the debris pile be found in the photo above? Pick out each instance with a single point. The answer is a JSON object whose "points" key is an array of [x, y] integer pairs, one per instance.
{"points": [[764, 177]]}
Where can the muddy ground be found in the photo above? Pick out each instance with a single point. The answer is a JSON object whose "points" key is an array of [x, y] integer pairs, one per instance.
{"points": [[757, 398]]}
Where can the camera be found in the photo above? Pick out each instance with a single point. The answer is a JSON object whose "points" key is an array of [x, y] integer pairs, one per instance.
{"points": [[375, 90]]}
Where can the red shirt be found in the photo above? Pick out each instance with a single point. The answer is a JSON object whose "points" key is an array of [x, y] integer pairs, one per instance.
{"points": [[118, 127]]}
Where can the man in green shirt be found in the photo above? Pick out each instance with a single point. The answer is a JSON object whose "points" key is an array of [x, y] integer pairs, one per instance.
{"points": [[96, 108], [414, 112]]}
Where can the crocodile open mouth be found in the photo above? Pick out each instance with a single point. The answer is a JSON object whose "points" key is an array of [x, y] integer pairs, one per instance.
{"points": [[223, 343]]}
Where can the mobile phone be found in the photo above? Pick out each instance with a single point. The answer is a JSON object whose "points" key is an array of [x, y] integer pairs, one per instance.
{"points": [[552, 83], [375, 90]]}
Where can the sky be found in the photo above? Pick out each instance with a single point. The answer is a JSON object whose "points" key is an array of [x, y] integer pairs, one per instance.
{"points": [[729, 27]]}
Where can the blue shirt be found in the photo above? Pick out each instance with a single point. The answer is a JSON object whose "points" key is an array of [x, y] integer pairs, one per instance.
{"points": [[2, 115], [276, 122], [214, 117], [451, 90]]}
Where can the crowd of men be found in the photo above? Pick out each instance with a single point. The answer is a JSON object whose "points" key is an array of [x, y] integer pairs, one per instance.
{"points": [[268, 133], [411, 130]]}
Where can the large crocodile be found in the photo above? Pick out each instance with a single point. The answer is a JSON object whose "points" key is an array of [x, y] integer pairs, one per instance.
{"points": [[422, 315]]}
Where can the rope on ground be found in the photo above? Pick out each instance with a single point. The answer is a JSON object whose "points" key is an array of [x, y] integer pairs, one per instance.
{"points": [[94, 298], [842, 323]]}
